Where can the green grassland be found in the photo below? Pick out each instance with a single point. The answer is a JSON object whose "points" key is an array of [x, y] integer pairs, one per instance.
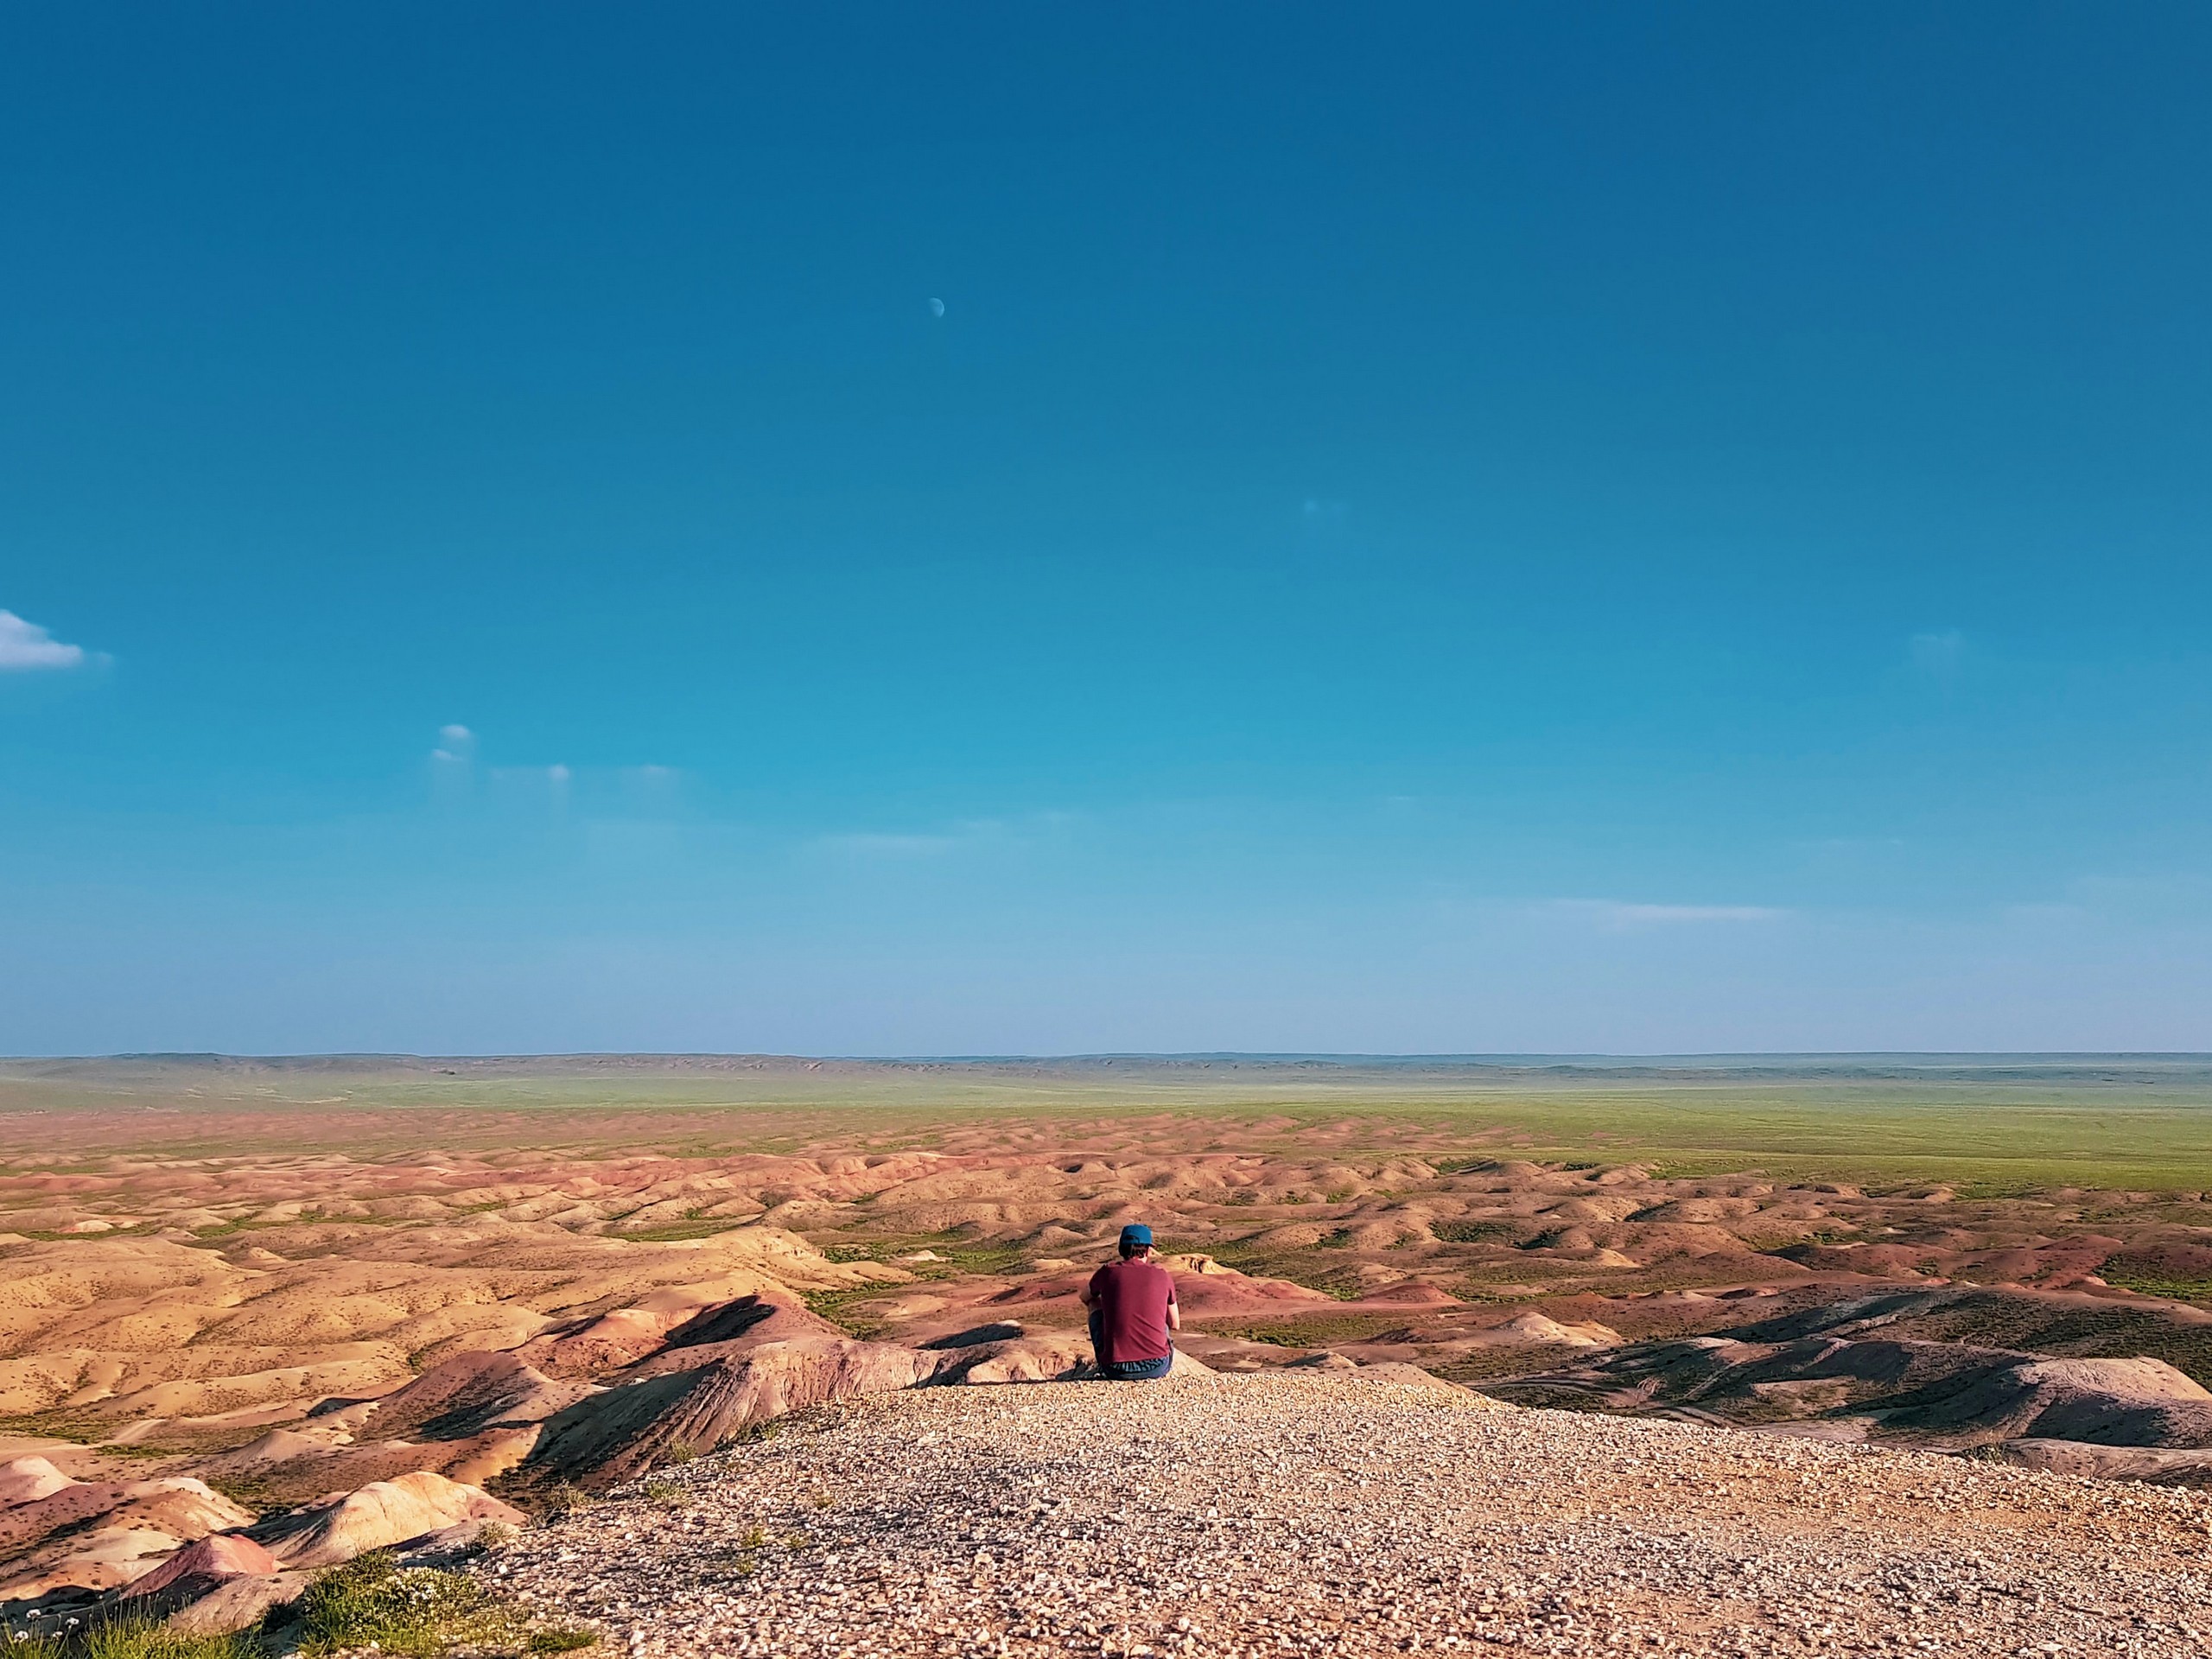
{"points": [[1986, 1126]]}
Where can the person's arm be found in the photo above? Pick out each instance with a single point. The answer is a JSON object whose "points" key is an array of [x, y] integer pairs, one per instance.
{"points": [[1088, 1294], [1174, 1312]]}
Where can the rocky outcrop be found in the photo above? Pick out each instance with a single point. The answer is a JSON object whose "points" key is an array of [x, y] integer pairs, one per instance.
{"points": [[1014, 1357], [283, 1472], [729, 1331], [25, 1479], [679, 1316], [102, 1534], [200, 1566], [614, 1435], [223, 1583], [1336, 1367], [1950, 1395], [2160, 1466], [380, 1515], [2135, 1403], [237, 1603], [467, 1395]]}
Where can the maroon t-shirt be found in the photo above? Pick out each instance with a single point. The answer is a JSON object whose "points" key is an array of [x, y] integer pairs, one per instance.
{"points": [[1133, 1298]]}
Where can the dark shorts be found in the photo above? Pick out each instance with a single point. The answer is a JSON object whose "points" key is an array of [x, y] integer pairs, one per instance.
{"points": [[1132, 1370]]}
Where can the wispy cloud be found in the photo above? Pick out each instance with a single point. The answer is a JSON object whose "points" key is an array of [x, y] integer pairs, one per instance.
{"points": [[869, 844], [953, 838], [456, 749], [1616, 915], [25, 646]]}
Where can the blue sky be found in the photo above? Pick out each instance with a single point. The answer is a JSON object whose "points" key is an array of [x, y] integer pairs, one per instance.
{"points": [[969, 528]]}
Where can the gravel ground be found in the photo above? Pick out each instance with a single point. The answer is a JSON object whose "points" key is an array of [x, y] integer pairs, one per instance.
{"points": [[1279, 1514]]}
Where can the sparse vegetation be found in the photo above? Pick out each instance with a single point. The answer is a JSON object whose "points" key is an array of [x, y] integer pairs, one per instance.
{"points": [[670, 1232], [562, 1638], [372, 1601], [835, 1306], [554, 1501], [1322, 1330], [135, 1638], [1477, 1232]]}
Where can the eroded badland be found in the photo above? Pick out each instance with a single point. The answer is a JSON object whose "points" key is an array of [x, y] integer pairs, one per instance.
{"points": [[1464, 1348]]}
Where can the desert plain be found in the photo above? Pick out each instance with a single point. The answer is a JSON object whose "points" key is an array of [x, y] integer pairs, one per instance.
{"points": [[600, 1329]]}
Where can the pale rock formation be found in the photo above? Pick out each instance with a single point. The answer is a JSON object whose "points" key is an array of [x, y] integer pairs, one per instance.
{"points": [[381, 1514]]}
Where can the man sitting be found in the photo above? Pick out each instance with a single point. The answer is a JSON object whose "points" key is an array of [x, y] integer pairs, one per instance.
{"points": [[1132, 1304]]}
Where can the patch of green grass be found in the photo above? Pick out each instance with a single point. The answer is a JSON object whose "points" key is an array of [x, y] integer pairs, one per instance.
{"points": [[958, 1253], [1477, 1232], [246, 1490], [835, 1306], [2176, 1290], [65, 1426], [562, 1638], [134, 1638], [415, 1611], [670, 1232], [27, 1645], [232, 1229], [2010, 1123], [250, 1224], [1517, 1359], [1323, 1331]]}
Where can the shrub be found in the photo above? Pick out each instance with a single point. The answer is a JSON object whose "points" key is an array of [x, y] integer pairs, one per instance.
{"points": [[416, 1611], [562, 1638], [566, 1499]]}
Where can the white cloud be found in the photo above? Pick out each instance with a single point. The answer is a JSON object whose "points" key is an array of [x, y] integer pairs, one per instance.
{"points": [[1618, 916], [25, 646], [1025, 830], [456, 746]]}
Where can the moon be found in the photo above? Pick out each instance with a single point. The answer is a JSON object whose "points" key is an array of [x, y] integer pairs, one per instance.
{"points": [[937, 307]]}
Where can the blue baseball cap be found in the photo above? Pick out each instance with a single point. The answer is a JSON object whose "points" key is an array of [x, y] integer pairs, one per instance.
{"points": [[1136, 1234]]}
